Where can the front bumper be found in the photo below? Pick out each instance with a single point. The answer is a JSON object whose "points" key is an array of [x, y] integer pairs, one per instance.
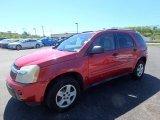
{"points": [[11, 47], [4, 45], [26, 92]]}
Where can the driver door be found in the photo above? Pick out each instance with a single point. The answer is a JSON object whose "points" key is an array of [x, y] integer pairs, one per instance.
{"points": [[103, 65], [25, 43]]}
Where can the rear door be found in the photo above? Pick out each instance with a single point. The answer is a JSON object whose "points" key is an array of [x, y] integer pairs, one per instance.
{"points": [[103, 65], [127, 51]]}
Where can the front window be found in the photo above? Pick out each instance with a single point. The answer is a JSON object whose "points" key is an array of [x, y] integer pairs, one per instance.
{"points": [[75, 43], [106, 41], [24, 41]]}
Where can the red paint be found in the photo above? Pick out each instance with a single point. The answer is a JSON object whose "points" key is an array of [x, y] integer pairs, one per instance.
{"points": [[92, 68]]}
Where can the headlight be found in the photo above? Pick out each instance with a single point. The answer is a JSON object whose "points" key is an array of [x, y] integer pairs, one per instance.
{"points": [[28, 74]]}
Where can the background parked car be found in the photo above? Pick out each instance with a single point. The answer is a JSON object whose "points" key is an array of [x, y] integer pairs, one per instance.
{"points": [[26, 43], [48, 41], [4, 43], [59, 41], [2, 39]]}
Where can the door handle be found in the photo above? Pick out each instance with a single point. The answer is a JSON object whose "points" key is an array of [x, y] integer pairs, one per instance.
{"points": [[115, 54]]}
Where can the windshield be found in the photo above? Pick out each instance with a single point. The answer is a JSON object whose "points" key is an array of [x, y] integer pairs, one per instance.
{"points": [[75, 43], [5, 40], [22, 41]]}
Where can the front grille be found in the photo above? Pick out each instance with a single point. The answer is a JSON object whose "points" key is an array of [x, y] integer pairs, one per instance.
{"points": [[10, 90], [13, 75], [12, 72]]}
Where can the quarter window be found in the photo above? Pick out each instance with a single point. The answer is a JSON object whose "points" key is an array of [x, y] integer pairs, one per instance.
{"points": [[139, 39], [124, 40]]}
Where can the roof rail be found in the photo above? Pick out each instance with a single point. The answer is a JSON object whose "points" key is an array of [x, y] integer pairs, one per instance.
{"points": [[113, 29], [123, 29], [87, 31]]}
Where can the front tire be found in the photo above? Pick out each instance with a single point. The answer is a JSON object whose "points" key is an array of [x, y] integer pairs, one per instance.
{"points": [[37, 46], [139, 70], [18, 47], [63, 94]]}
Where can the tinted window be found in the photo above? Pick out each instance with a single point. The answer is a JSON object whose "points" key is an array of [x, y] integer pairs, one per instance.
{"points": [[107, 41], [124, 40], [26, 41], [139, 39], [32, 40]]}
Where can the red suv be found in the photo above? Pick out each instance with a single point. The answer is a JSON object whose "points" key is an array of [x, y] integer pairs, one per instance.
{"points": [[58, 76]]}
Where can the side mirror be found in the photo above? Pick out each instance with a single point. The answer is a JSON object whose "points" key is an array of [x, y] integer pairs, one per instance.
{"points": [[96, 50]]}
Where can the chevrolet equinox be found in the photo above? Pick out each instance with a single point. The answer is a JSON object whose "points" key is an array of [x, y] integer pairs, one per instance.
{"points": [[58, 76]]}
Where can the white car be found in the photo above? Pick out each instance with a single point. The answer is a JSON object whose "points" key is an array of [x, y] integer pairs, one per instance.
{"points": [[21, 44]]}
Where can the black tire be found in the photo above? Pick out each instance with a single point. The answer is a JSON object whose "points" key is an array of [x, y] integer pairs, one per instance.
{"points": [[136, 75], [59, 85], [37, 46], [54, 44], [18, 47]]}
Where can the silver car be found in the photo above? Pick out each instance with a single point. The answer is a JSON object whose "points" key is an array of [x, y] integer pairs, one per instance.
{"points": [[4, 43], [27, 43]]}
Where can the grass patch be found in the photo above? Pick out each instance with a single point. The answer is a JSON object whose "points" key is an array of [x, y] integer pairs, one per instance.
{"points": [[153, 44]]}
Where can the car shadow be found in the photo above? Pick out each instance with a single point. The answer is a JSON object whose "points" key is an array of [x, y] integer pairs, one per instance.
{"points": [[106, 101]]}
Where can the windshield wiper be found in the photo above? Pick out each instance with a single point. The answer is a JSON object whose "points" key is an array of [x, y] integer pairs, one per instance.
{"points": [[66, 50]]}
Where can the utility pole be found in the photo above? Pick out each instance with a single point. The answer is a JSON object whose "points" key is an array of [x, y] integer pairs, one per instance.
{"points": [[77, 27], [23, 29], [35, 31], [43, 30]]}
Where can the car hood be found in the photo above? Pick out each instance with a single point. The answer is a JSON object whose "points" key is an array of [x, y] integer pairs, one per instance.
{"points": [[4, 43], [45, 57], [13, 43], [7, 42]]}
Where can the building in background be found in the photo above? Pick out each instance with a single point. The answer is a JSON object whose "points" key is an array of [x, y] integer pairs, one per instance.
{"points": [[62, 36]]}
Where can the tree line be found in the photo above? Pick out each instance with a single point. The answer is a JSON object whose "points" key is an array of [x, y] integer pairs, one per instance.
{"points": [[152, 32], [16, 35]]}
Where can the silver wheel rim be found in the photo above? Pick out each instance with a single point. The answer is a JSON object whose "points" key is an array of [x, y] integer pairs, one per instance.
{"points": [[140, 69], [18, 47], [66, 96], [37, 46]]}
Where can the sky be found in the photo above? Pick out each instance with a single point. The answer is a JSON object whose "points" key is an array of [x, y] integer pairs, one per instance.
{"points": [[60, 16]]}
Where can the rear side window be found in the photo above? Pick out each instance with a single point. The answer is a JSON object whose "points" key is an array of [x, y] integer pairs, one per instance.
{"points": [[124, 40], [139, 39]]}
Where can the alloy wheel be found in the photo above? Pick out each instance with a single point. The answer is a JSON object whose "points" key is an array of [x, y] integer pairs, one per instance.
{"points": [[140, 70], [66, 96]]}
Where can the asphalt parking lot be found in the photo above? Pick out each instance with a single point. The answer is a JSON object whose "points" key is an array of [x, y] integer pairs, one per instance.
{"points": [[122, 98]]}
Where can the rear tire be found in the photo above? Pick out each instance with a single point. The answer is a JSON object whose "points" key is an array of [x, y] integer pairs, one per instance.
{"points": [[62, 94], [138, 71]]}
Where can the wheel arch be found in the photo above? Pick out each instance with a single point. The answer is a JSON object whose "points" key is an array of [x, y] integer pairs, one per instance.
{"points": [[18, 45], [144, 59], [77, 76]]}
